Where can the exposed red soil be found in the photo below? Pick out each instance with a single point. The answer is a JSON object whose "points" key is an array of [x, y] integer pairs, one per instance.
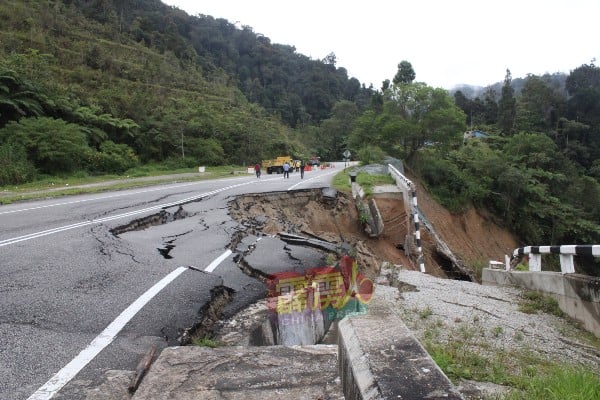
{"points": [[472, 236]]}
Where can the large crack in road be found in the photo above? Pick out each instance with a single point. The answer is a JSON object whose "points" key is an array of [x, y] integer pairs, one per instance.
{"points": [[322, 220]]}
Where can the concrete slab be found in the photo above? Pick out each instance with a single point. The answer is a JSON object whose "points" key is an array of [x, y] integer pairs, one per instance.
{"points": [[381, 359], [244, 373]]}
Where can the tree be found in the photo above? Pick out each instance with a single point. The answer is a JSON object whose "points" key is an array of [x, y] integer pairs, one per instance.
{"points": [[507, 106], [431, 116], [539, 106], [18, 97], [330, 59], [490, 106], [53, 145], [385, 85], [405, 74], [336, 129]]}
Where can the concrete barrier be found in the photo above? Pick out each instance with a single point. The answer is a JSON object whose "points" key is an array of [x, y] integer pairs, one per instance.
{"points": [[577, 295]]}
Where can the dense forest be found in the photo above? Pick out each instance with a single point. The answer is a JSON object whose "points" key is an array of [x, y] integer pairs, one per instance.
{"points": [[101, 86]]}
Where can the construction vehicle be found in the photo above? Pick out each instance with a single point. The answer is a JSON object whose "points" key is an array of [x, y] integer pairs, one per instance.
{"points": [[275, 165]]}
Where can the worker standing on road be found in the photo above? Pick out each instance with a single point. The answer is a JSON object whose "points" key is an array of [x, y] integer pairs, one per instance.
{"points": [[301, 169], [257, 170], [286, 170]]}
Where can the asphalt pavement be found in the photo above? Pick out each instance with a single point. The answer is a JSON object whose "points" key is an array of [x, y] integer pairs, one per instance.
{"points": [[88, 283]]}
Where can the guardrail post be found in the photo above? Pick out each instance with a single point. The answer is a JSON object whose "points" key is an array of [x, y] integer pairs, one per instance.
{"points": [[566, 264], [535, 262]]}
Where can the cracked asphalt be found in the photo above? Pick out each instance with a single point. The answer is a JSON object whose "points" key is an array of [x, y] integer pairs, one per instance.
{"points": [[70, 266]]}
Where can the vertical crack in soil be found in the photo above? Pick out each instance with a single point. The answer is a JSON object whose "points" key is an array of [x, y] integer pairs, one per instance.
{"points": [[211, 312]]}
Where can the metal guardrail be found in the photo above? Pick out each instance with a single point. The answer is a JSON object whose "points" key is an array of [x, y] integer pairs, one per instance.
{"points": [[565, 252], [406, 184]]}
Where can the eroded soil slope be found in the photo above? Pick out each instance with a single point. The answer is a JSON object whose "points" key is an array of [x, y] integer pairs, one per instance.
{"points": [[472, 237]]}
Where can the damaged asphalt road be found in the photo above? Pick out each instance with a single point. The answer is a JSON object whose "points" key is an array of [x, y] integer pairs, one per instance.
{"points": [[73, 272]]}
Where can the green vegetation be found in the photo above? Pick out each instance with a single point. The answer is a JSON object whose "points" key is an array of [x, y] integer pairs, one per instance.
{"points": [[497, 331], [207, 342], [475, 350], [468, 356], [103, 86], [368, 181], [363, 215], [530, 378], [370, 154], [425, 313], [341, 181], [558, 382], [533, 302]]}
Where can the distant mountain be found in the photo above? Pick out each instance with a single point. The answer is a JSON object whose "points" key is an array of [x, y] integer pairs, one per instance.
{"points": [[555, 80]]}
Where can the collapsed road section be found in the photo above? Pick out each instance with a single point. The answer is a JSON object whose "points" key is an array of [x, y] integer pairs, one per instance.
{"points": [[299, 229]]}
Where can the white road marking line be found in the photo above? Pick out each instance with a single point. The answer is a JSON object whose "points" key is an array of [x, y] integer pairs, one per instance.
{"points": [[34, 235], [66, 203], [68, 372], [211, 267], [310, 179]]}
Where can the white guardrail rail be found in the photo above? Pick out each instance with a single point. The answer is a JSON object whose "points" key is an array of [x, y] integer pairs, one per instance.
{"points": [[408, 187], [565, 252]]}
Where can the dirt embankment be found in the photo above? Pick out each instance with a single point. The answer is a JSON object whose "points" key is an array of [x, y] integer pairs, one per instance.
{"points": [[473, 236]]}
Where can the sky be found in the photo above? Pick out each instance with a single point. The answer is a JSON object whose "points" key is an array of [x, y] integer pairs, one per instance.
{"points": [[447, 42]]}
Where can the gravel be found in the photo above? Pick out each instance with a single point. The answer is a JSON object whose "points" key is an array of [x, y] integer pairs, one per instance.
{"points": [[486, 318]]}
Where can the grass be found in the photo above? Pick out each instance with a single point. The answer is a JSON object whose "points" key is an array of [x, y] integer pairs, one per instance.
{"points": [[528, 376], [533, 302], [559, 382], [206, 342], [425, 312], [56, 186], [469, 352], [368, 181], [341, 181], [478, 266]]}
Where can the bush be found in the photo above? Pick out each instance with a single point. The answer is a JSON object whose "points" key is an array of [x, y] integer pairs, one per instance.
{"points": [[53, 145], [112, 158], [206, 152], [445, 180], [371, 154], [180, 162], [15, 168]]}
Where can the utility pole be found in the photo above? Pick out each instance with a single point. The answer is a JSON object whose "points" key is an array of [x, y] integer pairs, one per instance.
{"points": [[182, 152]]}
